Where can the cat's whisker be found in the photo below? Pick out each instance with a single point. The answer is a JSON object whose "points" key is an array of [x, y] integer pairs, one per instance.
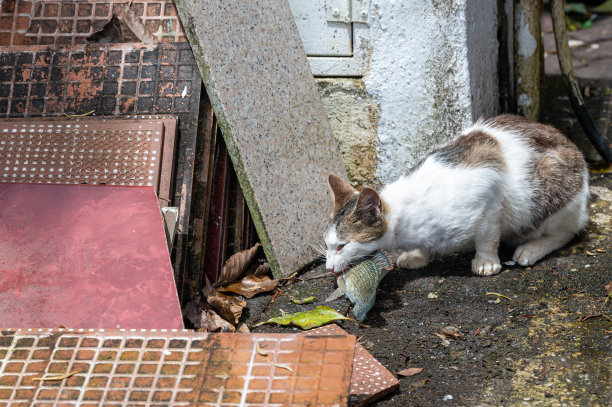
{"points": [[318, 249]]}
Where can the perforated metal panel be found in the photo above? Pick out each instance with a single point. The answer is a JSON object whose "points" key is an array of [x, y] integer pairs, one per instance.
{"points": [[88, 152], [145, 368]]}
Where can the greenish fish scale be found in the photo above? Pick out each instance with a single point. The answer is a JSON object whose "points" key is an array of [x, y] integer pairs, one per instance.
{"points": [[359, 284]]}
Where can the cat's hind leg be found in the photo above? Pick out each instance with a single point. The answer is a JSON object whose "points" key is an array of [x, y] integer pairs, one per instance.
{"points": [[486, 262], [413, 259], [556, 231]]}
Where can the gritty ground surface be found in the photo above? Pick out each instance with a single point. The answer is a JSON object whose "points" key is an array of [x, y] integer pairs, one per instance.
{"points": [[547, 345]]}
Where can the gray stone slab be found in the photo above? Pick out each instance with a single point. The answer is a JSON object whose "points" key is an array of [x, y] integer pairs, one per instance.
{"points": [[262, 90]]}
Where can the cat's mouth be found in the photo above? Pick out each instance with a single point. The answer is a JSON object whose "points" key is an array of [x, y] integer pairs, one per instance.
{"points": [[344, 270]]}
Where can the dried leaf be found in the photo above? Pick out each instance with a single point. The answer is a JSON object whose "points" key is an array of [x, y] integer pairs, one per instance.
{"points": [[411, 371], [279, 365], [308, 319], [219, 323], [609, 289], [228, 306], [55, 378], [251, 285], [262, 269], [259, 350], [242, 328], [303, 300], [236, 264], [204, 318]]}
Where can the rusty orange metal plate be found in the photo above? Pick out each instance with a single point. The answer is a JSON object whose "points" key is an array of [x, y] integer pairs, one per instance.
{"points": [[84, 256], [175, 368], [370, 380]]}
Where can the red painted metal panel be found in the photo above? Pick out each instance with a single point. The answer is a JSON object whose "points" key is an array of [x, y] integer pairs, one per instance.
{"points": [[84, 256]]}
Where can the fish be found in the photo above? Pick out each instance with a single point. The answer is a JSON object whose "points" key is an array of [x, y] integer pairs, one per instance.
{"points": [[359, 283]]}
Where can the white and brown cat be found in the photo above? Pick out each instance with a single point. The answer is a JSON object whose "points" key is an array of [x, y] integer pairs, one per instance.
{"points": [[506, 178]]}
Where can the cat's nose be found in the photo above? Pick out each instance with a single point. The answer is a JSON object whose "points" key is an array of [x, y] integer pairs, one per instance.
{"points": [[330, 269]]}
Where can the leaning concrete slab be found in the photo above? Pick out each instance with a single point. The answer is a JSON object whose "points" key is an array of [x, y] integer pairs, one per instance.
{"points": [[262, 90]]}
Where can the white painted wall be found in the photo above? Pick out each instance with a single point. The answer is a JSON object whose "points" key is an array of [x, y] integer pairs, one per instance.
{"points": [[431, 70]]}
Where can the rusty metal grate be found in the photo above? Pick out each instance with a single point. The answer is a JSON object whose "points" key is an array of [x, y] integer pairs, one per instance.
{"points": [[107, 79], [370, 380], [70, 22], [174, 368]]}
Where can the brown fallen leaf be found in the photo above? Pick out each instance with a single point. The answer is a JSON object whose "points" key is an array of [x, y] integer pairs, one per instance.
{"points": [[250, 285], [260, 350], [411, 371], [228, 306], [609, 289], [262, 269], [242, 328], [220, 324], [279, 365], [236, 265], [55, 378], [204, 318]]}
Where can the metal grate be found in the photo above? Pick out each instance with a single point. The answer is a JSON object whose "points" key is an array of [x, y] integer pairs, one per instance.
{"points": [[370, 380], [64, 152], [145, 368], [107, 79], [70, 22], [90, 150]]}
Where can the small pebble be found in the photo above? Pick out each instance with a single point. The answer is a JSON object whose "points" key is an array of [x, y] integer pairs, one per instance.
{"points": [[447, 397]]}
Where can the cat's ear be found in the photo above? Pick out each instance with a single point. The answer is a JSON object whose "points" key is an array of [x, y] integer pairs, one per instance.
{"points": [[342, 192], [369, 206]]}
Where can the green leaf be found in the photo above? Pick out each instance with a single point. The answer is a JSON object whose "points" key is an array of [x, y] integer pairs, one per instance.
{"points": [[308, 319], [578, 8], [604, 7], [586, 24], [303, 300]]}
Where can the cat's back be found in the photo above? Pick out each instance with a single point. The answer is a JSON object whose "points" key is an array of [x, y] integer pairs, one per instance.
{"points": [[543, 169]]}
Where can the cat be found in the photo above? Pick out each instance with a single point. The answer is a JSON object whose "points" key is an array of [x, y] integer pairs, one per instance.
{"points": [[504, 178]]}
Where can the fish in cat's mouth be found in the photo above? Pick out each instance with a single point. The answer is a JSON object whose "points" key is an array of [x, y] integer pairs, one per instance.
{"points": [[338, 273]]}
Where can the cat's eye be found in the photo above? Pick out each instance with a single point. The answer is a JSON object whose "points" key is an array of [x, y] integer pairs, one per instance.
{"points": [[339, 247]]}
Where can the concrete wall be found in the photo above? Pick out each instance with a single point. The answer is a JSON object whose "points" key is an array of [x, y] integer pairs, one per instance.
{"points": [[433, 70]]}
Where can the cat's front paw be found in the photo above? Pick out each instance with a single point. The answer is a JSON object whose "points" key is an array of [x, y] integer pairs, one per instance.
{"points": [[414, 259], [485, 267]]}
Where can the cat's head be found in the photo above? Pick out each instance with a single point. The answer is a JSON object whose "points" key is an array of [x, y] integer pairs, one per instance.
{"points": [[358, 224]]}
